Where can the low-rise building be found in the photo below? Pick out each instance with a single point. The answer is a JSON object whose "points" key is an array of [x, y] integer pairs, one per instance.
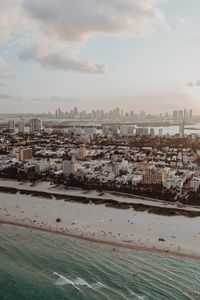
{"points": [[70, 167], [136, 179], [155, 175], [174, 182], [194, 184], [24, 153], [42, 167]]}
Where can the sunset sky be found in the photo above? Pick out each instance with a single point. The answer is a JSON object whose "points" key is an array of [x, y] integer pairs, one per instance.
{"points": [[132, 54]]}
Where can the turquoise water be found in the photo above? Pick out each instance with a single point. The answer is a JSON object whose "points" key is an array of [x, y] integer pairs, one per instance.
{"points": [[42, 266]]}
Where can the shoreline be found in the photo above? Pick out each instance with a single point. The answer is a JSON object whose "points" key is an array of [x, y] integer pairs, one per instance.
{"points": [[114, 245], [138, 230]]}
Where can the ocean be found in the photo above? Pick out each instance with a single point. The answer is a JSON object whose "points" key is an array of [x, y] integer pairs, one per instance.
{"points": [[35, 265]]}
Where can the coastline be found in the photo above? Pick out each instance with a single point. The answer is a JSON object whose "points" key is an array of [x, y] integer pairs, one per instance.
{"points": [[137, 230], [113, 245]]}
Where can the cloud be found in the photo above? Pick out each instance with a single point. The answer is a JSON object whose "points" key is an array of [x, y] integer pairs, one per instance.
{"points": [[194, 83], [12, 18], [5, 96], [62, 21], [5, 70], [77, 20], [55, 99], [57, 58]]}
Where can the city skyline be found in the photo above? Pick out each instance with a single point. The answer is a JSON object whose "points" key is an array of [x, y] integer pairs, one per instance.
{"points": [[115, 113], [129, 54], [119, 113]]}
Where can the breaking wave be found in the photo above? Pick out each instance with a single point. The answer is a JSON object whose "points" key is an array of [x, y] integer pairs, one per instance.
{"points": [[62, 280]]}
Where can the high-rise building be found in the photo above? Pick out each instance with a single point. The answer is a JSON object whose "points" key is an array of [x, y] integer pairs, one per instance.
{"points": [[180, 114], [190, 115], [112, 129], [142, 115], [11, 125], [152, 131], [35, 125], [126, 130], [142, 131], [175, 114], [182, 129], [21, 127], [160, 132]]}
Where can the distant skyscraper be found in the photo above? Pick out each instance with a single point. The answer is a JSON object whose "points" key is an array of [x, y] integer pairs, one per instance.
{"points": [[180, 114], [190, 114], [175, 114], [139, 131], [35, 125], [142, 131], [11, 125], [21, 127], [185, 114], [142, 115], [182, 129], [126, 130], [152, 131], [160, 132]]}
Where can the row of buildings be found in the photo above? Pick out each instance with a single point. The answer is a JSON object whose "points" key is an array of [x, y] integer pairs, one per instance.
{"points": [[105, 170], [35, 126], [96, 157]]}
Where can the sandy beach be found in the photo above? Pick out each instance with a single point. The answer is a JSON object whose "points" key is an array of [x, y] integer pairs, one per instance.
{"points": [[75, 192], [138, 230]]}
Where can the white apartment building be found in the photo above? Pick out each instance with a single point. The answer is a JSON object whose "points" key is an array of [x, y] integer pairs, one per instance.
{"points": [[174, 182], [194, 184], [70, 167], [126, 131], [136, 179], [42, 166], [116, 167]]}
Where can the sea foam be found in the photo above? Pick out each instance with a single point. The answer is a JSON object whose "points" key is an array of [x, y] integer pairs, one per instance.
{"points": [[62, 280]]}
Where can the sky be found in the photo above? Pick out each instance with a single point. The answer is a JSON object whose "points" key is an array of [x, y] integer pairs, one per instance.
{"points": [[99, 54]]}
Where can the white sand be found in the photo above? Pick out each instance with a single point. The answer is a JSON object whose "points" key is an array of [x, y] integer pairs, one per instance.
{"points": [[124, 227], [46, 187]]}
